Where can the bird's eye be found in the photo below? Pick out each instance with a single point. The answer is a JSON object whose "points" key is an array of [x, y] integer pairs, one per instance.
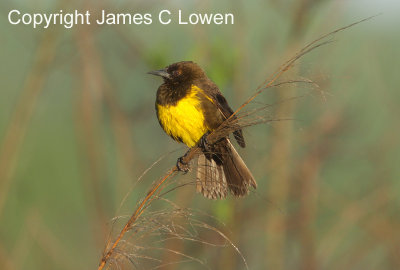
{"points": [[177, 72]]}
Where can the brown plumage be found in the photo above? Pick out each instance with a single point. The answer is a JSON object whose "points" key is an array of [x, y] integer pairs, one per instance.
{"points": [[189, 105]]}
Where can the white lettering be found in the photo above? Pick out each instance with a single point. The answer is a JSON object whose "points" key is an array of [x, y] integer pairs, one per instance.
{"points": [[102, 18], [147, 18], [160, 14], [229, 15], [180, 18], [26, 15], [205, 18], [47, 19], [195, 20], [68, 20], [9, 16], [37, 19], [218, 18]]}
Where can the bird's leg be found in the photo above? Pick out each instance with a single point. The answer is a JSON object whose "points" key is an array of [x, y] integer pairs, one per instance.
{"points": [[203, 143], [181, 165]]}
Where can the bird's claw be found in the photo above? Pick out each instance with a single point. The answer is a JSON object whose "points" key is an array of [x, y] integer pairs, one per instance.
{"points": [[182, 166], [203, 143]]}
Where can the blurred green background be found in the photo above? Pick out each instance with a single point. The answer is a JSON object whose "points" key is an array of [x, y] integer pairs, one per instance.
{"points": [[78, 128]]}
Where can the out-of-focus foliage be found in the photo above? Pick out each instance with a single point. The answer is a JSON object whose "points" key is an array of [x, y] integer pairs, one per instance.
{"points": [[78, 128]]}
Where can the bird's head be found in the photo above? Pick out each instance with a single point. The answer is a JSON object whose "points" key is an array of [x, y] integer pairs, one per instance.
{"points": [[180, 72]]}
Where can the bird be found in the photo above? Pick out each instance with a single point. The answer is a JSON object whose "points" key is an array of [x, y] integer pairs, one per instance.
{"points": [[189, 106]]}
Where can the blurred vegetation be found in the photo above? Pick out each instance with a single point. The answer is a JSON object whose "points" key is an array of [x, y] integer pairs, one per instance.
{"points": [[78, 128]]}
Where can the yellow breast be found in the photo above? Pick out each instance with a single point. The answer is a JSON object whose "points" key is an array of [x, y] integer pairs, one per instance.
{"points": [[185, 120]]}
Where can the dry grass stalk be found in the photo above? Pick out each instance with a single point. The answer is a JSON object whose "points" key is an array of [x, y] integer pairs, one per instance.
{"points": [[155, 230], [224, 130]]}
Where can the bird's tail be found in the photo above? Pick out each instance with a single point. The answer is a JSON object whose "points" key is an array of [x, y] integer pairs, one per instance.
{"points": [[221, 171]]}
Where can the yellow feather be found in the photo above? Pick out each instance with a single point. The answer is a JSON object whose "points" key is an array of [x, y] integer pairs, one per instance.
{"points": [[185, 120]]}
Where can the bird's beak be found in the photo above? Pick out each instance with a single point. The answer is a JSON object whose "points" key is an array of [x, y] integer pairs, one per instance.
{"points": [[162, 72]]}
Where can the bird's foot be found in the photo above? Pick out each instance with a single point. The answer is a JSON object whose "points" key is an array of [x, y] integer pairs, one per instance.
{"points": [[203, 143], [182, 166]]}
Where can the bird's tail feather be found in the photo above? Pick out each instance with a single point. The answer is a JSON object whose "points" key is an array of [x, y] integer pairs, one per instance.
{"points": [[211, 181], [223, 170]]}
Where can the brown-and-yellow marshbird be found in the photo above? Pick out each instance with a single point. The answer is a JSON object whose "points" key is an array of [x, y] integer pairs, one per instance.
{"points": [[189, 106]]}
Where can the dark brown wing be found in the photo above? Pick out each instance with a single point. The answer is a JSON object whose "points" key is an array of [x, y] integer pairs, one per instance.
{"points": [[211, 90]]}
